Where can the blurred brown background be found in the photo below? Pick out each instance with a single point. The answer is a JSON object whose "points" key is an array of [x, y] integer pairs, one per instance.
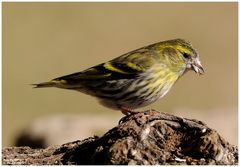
{"points": [[42, 41]]}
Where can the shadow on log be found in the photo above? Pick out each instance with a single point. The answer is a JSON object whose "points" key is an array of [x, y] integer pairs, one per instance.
{"points": [[145, 138]]}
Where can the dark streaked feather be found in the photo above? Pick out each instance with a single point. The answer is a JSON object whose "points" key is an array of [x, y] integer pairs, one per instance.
{"points": [[96, 73], [123, 67]]}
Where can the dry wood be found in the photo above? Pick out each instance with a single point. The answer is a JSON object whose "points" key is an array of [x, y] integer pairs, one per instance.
{"points": [[149, 137]]}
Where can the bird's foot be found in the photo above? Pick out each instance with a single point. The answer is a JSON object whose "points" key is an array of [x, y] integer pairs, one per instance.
{"points": [[128, 111]]}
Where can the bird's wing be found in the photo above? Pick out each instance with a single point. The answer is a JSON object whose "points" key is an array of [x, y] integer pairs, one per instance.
{"points": [[123, 67]]}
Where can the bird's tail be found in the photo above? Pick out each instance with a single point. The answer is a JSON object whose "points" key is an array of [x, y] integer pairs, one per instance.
{"points": [[52, 83]]}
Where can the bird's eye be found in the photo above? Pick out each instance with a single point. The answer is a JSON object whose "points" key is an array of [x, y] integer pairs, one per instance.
{"points": [[185, 55]]}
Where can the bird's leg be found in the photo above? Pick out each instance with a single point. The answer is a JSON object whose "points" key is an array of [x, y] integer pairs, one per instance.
{"points": [[127, 111]]}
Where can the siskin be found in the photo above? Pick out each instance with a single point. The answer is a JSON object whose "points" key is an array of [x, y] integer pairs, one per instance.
{"points": [[135, 79]]}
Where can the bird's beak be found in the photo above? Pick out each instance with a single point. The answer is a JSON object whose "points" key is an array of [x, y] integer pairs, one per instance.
{"points": [[197, 67]]}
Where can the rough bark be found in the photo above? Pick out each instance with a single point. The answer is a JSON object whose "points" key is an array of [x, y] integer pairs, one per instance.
{"points": [[147, 138]]}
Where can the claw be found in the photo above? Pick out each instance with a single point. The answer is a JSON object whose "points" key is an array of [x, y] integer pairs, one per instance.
{"points": [[128, 111]]}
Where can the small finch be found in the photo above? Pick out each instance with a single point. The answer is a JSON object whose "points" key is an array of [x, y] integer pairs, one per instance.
{"points": [[135, 79]]}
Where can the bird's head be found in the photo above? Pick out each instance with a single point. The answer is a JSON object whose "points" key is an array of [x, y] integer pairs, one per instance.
{"points": [[180, 50], [190, 56]]}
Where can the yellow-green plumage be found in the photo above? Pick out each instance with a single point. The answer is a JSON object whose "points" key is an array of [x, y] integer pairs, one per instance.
{"points": [[135, 79]]}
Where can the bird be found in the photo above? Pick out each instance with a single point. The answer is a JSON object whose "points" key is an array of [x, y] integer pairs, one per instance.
{"points": [[135, 79]]}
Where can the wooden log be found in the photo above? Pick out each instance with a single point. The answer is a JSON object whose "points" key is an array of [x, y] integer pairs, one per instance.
{"points": [[145, 138]]}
